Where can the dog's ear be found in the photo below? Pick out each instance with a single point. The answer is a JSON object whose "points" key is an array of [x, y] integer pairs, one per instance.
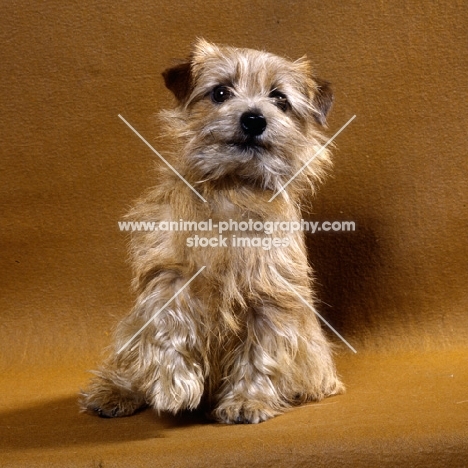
{"points": [[323, 100], [178, 79]]}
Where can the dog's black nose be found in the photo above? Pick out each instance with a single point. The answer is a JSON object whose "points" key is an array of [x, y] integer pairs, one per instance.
{"points": [[253, 123]]}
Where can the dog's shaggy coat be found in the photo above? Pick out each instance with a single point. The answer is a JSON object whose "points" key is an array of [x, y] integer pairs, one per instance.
{"points": [[238, 338]]}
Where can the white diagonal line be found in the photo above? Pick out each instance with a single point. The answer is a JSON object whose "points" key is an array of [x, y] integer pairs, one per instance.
{"points": [[324, 321], [162, 308], [322, 148], [315, 312], [164, 160]]}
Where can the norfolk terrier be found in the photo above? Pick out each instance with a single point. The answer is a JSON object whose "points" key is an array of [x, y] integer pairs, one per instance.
{"points": [[228, 327]]}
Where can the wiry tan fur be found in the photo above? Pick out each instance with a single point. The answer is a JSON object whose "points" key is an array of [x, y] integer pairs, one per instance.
{"points": [[238, 338]]}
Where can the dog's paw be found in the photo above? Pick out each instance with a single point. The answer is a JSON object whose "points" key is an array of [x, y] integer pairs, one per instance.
{"points": [[106, 399], [183, 391], [110, 407], [243, 412]]}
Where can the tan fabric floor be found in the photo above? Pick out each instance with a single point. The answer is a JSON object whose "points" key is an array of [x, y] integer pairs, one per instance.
{"points": [[405, 410]]}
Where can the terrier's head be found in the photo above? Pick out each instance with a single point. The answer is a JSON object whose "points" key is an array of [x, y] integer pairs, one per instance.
{"points": [[248, 116]]}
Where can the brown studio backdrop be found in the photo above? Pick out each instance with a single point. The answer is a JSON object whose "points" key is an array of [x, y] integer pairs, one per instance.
{"points": [[71, 168]]}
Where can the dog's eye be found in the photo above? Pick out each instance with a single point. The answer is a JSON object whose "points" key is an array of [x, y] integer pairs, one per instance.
{"points": [[280, 100], [221, 94]]}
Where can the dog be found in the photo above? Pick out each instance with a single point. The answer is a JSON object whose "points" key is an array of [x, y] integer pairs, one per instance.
{"points": [[228, 328]]}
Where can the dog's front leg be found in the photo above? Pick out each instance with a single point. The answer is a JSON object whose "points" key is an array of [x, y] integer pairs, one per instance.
{"points": [[158, 357], [253, 374]]}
